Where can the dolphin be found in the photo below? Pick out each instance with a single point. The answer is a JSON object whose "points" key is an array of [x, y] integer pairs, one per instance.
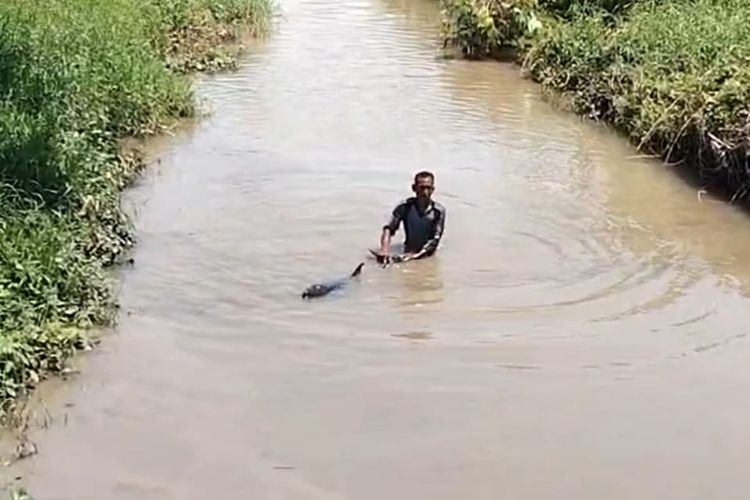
{"points": [[321, 289]]}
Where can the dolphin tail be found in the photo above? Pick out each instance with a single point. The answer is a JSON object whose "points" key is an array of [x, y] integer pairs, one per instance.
{"points": [[358, 270]]}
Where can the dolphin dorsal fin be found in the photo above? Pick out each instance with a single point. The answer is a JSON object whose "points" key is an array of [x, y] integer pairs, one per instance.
{"points": [[358, 270]]}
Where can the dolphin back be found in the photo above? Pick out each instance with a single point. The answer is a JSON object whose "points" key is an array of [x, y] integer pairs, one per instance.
{"points": [[321, 289]]}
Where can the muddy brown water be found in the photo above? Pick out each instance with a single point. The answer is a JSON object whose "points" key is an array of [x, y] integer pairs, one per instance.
{"points": [[580, 335]]}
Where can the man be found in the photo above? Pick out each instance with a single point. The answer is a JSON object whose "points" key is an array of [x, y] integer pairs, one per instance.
{"points": [[423, 220]]}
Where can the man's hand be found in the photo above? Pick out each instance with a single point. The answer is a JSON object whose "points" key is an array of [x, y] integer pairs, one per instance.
{"points": [[406, 257], [384, 257], [383, 253], [381, 256]]}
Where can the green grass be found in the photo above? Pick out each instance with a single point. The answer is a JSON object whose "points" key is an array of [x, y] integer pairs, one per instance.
{"points": [[672, 75], [76, 77]]}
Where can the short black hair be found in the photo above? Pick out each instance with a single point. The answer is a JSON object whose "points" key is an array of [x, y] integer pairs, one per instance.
{"points": [[423, 173]]}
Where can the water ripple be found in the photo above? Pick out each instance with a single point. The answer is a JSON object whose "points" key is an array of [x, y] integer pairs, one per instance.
{"points": [[314, 139]]}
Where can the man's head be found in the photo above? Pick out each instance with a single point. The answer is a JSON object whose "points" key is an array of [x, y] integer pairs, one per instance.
{"points": [[424, 185]]}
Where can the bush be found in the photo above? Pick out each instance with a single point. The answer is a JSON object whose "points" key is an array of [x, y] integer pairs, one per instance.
{"points": [[567, 7], [480, 28]]}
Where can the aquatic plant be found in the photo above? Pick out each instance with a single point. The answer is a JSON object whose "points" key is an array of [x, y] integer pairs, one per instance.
{"points": [[20, 494]]}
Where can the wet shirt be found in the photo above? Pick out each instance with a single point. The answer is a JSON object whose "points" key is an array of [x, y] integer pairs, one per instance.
{"points": [[423, 230]]}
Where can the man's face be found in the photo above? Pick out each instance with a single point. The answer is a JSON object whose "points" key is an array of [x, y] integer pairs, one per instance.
{"points": [[423, 187]]}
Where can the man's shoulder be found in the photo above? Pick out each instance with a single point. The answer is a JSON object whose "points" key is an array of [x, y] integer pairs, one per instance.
{"points": [[438, 206], [405, 202]]}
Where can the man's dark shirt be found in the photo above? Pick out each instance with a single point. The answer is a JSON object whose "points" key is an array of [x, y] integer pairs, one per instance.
{"points": [[423, 230]]}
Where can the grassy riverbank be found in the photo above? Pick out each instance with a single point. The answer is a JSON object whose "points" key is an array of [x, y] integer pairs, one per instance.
{"points": [[670, 74], [77, 77]]}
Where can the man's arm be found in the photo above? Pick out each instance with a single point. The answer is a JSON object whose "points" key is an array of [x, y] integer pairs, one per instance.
{"points": [[385, 241], [390, 229]]}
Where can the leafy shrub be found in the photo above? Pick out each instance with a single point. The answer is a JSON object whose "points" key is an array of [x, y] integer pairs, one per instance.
{"points": [[479, 28]]}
